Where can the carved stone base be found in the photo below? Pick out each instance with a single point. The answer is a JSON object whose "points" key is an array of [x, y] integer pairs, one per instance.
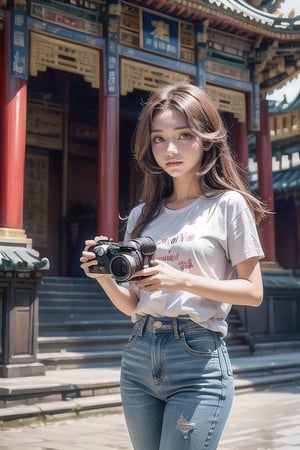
{"points": [[21, 370], [14, 236], [273, 267]]}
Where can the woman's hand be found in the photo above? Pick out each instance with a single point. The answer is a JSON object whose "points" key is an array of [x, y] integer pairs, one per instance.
{"points": [[121, 297], [88, 259], [159, 275]]}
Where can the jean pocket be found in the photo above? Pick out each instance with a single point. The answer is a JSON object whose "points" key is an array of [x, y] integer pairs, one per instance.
{"points": [[199, 343]]}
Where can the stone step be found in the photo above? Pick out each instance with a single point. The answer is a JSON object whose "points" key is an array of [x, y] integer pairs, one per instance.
{"points": [[63, 301], [68, 286], [82, 332], [80, 313], [80, 343], [80, 359], [74, 325], [67, 281], [60, 410], [69, 295]]}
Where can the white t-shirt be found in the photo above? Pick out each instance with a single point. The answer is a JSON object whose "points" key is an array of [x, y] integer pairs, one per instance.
{"points": [[209, 237]]}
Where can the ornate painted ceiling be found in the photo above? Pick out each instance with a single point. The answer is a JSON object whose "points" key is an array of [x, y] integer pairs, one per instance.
{"points": [[275, 39]]}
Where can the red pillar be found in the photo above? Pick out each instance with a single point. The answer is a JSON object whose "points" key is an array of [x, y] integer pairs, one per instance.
{"points": [[265, 182], [108, 172], [13, 101], [240, 143]]}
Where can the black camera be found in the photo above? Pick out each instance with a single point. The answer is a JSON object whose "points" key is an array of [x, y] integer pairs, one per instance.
{"points": [[121, 259]]}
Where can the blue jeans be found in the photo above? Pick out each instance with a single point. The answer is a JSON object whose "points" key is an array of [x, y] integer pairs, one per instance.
{"points": [[176, 385]]}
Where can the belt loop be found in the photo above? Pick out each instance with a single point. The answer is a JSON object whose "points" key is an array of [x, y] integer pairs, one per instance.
{"points": [[175, 328], [142, 323]]}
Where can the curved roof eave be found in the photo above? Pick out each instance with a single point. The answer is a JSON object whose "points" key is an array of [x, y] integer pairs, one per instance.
{"points": [[234, 13], [277, 82], [283, 81], [284, 106]]}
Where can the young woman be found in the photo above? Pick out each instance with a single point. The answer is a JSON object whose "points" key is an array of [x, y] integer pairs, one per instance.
{"points": [[176, 377]]}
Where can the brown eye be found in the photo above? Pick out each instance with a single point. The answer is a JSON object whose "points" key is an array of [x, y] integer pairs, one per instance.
{"points": [[186, 136], [157, 139]]}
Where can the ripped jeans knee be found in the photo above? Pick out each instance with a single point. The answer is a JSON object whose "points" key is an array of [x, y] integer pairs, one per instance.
{"points": [[185, 427]]}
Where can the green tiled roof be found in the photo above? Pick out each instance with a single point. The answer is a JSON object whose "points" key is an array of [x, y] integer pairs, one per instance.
{"points": [[283, 181], [280, 281], [21, 259]]}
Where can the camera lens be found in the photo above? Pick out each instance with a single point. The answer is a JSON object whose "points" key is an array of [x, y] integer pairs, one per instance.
{"points": [[146, 245], [123, 267]]}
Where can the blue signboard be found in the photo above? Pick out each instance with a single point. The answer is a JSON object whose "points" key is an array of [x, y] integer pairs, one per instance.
{"points": [[160, 34], [112, 65], [255, 102], [18, 41]]}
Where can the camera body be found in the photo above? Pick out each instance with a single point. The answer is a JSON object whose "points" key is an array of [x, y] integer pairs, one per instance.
{"points": [[121, 259]]}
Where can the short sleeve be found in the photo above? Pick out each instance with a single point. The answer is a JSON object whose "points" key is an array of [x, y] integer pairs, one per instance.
{"points": [[243, 239]]}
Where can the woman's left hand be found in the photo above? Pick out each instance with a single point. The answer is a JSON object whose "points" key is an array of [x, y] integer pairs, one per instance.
{"points": [[159, 275]]}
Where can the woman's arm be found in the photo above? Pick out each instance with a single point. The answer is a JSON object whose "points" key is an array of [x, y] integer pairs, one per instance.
{"points": [[246, 289], [123, 299]]}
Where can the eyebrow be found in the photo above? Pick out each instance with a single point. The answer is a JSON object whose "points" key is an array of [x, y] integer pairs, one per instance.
{"points": [[177, 128]]}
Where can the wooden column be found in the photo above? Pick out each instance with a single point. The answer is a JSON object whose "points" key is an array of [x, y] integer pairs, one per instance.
{"points": [[13, 101], [18, 291], [240, 143], [109, 117], [265, 182], [108, 172]]}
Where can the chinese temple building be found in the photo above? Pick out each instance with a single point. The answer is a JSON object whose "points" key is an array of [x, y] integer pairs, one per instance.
{"points": [[74, 75], [284, 119]]}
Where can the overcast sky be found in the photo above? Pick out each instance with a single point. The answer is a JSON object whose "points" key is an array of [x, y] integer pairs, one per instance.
{"points": [[290, 4]]}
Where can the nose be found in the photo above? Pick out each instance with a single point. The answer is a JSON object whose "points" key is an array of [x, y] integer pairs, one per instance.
{"points": [[171, 147]]}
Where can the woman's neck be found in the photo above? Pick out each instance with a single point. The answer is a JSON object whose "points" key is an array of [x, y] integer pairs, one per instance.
{"points": [[179, 204], [181, 196]]}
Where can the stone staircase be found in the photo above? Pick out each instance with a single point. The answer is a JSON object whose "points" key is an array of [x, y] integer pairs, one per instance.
{"points": [[78, 325]]}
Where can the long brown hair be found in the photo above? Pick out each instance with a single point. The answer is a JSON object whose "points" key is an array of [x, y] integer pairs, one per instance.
{"points": [[219, 171]]}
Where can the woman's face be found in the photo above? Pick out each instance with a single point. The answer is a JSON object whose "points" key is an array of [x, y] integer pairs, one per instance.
{"points": [[176, 149]]}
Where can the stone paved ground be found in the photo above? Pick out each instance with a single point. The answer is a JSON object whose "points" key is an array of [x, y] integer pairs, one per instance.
{"points": [[260, 420]]}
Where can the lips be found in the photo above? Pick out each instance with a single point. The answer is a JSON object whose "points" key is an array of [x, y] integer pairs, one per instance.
{"points": [[173, 163]]}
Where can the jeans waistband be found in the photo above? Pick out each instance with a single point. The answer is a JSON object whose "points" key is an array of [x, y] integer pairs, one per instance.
{"points": [[164, 324]]}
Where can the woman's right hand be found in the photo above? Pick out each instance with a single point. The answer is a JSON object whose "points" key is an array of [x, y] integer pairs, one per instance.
{"points": [[123, 298], [88, 258]]}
